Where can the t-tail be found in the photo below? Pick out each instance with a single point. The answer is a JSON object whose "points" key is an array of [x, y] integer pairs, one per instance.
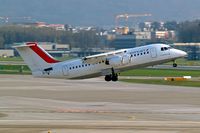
{"points": [[35, 56]]}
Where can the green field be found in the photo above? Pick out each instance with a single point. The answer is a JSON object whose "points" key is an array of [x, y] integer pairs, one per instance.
{"points": [[161, 73], [11, 59], [14, 69], [163, 82], [135, 72], [185, 62], [23, 69]]}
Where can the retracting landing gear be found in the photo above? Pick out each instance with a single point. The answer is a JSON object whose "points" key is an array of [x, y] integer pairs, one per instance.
{"points": [[174, 64], [113, 76], [108, 78]]}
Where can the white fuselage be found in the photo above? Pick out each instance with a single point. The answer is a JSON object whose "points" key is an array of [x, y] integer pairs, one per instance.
{"points": [[126, 59]]}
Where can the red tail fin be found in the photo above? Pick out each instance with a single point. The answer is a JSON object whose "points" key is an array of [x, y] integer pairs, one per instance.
{"points": [[43, 54]]}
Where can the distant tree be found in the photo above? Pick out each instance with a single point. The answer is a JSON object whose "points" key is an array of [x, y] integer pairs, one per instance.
{"points": [[1, 42], [142, 26], [189, 31], [83, 39], [171, 25], [155, 26]]}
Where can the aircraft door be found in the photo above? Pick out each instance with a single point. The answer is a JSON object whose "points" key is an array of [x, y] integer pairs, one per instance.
{"points": [[153, 53], [65, 70]]}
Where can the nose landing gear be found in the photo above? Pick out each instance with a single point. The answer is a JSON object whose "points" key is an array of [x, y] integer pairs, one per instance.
{"points": [[175, 64]]}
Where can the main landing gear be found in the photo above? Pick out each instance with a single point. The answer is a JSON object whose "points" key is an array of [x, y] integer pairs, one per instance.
{"points": [[113, 76]]}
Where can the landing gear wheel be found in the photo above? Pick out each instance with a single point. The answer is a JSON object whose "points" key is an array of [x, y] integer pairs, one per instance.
{"points": [[175, 65], [108, 78], [115, 78]]}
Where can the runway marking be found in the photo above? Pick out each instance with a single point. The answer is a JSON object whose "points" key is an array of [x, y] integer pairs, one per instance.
{"points": [[84, 124], [62, 111]]}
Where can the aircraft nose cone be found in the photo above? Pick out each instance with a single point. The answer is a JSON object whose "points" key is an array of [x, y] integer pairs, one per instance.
{"points": [[183, 53]]}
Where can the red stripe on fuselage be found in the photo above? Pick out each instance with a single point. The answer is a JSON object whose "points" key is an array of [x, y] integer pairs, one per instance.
{"points": [[41, 53]]}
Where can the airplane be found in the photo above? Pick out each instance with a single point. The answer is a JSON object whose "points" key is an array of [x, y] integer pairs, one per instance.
{"points": [[108, 64]]}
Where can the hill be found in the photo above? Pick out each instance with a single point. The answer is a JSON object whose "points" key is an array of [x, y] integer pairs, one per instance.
{"points": [[98, 12]]}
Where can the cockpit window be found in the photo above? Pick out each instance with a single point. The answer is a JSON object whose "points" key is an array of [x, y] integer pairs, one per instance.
{"points": [[165, 48]]}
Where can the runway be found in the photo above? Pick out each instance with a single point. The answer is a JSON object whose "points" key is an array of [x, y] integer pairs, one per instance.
{"points": [[36, 105]]}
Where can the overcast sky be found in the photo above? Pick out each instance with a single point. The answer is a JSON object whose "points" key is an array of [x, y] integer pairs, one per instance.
{"points": [[99, 12]]}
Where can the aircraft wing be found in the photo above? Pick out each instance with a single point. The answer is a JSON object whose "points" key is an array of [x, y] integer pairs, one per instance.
{"points": [[102, 57]]}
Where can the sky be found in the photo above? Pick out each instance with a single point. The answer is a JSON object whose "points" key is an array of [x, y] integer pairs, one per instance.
{"points": [[99, 12]]}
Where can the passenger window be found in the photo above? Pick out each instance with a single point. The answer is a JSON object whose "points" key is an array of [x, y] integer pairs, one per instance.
{"points": [[162, 49], [165, 48]]}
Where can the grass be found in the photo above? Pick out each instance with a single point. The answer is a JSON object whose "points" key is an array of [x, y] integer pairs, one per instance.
{"points": [[161, 73], [185, 62], [14, 69], [11, 59], [163, 82], [15, 72]]}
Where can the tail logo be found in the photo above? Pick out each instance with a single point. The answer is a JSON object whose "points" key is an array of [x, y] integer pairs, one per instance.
{"points": [[45, 56]]}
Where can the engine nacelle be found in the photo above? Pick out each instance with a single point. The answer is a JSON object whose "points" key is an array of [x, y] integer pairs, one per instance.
{"points": [[126, 59], [115, 61], [119, 60]]}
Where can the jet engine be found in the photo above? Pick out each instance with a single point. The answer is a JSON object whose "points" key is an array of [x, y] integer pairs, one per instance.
{"points": [[115, 61], [118, 60], [126, 59]]}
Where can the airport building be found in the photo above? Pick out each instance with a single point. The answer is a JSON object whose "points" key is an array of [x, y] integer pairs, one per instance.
{"points": [[120, 41], [54, 49], [6, 53]]}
